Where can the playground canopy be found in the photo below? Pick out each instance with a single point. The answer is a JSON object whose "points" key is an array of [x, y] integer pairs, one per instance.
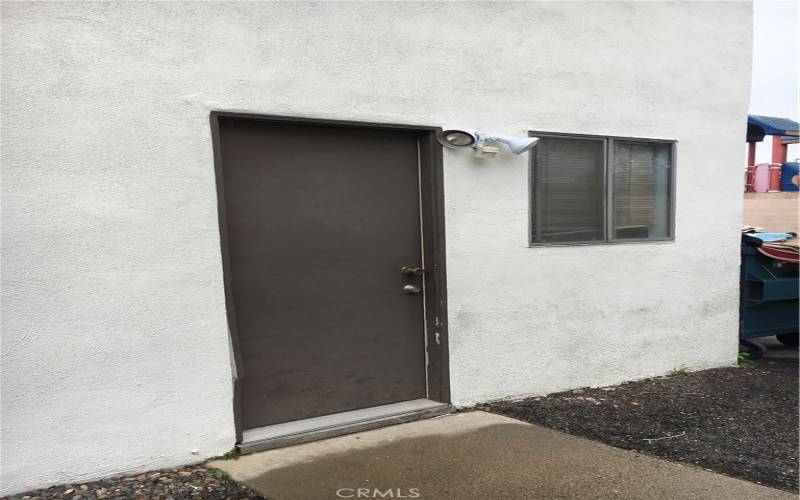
{"points": [[758, 126]]}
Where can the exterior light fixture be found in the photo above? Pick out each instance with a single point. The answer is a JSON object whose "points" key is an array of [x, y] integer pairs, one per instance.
{"points": [[469, 138], [517, 145], [458, 138]]}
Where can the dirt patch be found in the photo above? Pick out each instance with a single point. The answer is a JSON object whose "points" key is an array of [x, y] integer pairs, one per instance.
{"points": [[742, 422], [184, 483]]}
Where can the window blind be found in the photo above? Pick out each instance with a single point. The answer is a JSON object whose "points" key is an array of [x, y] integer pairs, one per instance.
{"points": [[641, 190], [568, 191]]}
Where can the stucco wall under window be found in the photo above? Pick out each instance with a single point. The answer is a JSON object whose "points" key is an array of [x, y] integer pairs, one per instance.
{"points": [[115, 344]]}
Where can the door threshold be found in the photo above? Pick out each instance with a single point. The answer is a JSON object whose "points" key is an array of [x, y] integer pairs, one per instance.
{"points": [[337, 424]]}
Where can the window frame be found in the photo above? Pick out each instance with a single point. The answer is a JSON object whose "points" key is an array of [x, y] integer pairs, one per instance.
{"points": [[608, 190]]}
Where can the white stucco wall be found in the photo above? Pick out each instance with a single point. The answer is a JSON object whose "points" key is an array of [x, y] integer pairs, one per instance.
{"points": [[115, 345]]}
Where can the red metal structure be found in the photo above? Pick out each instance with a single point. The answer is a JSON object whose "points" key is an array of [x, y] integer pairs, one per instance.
{"points": [[783, 132]]}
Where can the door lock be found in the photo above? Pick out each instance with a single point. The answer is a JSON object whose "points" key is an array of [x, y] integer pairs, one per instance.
{"points": [[412, 289], [412, 271]]}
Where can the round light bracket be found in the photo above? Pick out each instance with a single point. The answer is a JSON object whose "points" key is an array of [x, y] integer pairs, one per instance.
{"points": [[455, 138]]}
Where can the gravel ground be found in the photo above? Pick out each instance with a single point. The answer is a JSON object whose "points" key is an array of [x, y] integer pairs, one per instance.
{"points": [[188, 482], [742, 422]]}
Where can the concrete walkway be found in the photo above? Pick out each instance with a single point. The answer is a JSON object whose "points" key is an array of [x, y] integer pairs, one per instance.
{"points": [[476, 455]]}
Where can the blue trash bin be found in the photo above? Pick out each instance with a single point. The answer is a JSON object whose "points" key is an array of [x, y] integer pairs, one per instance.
{"points": [[768, 300]]}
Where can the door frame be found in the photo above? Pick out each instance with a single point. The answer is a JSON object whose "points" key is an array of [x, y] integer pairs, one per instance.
{"points": [[433, 237]]}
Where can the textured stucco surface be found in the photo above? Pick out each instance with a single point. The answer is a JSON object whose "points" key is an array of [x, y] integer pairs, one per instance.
{"points": [[115, 345]]}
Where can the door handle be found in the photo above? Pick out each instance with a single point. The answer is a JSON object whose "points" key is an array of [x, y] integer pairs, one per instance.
{"points": [[412, 289], [412, 271]]}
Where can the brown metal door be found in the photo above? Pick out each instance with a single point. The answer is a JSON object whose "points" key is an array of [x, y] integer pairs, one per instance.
{"points": [[320, 220]]}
